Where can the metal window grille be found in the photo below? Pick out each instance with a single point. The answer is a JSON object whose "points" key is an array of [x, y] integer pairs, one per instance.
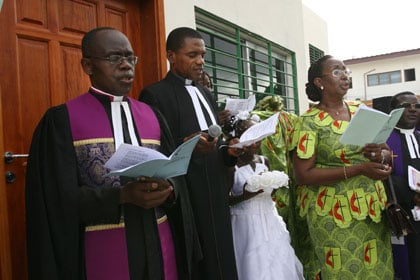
{"points": [[241, 63]]}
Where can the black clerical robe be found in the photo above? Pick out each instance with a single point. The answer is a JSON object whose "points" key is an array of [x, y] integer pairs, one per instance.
{"points": [[404, 194], [57, 210], [205, 178]]}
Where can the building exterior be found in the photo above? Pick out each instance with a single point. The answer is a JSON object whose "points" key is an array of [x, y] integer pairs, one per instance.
{"points": [[384, 75]]}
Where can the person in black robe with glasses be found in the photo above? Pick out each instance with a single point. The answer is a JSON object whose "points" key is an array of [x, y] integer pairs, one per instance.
{"points": [[84, 225], [404, 143]]}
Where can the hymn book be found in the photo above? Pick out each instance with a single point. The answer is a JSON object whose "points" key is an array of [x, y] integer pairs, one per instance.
{"points": [[369, 125], [136, 161]]}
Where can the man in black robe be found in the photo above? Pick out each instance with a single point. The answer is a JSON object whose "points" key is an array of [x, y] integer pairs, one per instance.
{"points": [[404, 142], [190, 110], [83, 225]]}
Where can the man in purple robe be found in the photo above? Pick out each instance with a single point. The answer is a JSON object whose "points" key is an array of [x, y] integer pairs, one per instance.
{"points": [[84, 225], [404, 143]]}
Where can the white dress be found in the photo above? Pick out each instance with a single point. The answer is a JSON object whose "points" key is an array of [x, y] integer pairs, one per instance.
{"points": [[261, 240]]}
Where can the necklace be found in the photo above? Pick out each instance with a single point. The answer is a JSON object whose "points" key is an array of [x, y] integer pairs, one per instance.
{"points": [[336, 112]]}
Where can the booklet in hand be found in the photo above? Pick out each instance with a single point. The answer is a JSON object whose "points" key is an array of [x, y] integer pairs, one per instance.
{"points": [[413, 178], [136, 161], [258, 132], [370, 126]]}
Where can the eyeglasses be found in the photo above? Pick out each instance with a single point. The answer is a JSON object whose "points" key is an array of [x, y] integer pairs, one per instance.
{"points": [[337, 73], [406, 105], [118, 59]]}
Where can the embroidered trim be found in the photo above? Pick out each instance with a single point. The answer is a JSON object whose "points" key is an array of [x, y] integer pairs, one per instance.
{"points": [[162, 219], [150, 141], [93, 141], [120, 225], [104, 227], [110, 140]]}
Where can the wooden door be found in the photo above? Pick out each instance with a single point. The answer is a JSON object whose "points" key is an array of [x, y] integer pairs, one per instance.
{"points": [[40, 67]]}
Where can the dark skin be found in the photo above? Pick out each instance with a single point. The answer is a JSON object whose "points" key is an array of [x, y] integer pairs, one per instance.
{"points": [[410, 115], [117, 79], [334, 90], [188, 62]]}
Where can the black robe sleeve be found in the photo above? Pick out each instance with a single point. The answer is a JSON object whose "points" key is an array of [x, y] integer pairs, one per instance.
{"points": [[52, 200], [180, 213]]}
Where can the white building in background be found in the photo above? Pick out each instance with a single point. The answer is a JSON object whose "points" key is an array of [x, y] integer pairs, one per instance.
{"points": [[384, 75], [255, 47]]}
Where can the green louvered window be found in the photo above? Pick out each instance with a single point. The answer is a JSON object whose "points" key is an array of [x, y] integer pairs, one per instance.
{"points": [[241, 63], [315, 53]]}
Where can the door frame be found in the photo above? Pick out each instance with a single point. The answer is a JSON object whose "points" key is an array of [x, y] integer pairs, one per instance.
{"points": [[5, 259], [152, 14]]}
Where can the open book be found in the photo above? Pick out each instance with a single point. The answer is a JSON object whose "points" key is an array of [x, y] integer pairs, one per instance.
{"points": [[258, 132], [370, 126], [134, 161]]}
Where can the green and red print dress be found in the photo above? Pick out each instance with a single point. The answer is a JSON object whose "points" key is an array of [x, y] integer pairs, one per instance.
{"points": [[346, 222]]}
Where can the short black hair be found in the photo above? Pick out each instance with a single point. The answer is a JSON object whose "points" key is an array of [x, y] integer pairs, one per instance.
{"points": [[177, 36], [393, 103], [89, 39]]}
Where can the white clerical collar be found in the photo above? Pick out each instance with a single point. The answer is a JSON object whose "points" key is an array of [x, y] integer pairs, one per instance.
{"points": [[116, 98], [405, 130], [188, 82], [412, 144], [116, 103], [197, 98]]}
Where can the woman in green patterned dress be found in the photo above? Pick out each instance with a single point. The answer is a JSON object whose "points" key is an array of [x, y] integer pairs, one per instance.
{"points": [[340, 188], [276, 148]]}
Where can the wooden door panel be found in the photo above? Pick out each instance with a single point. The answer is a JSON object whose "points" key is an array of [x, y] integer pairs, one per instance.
{"points": [[25, 106], [70, 63], [77, 16], [116, 18], [32, 95], [29, 12]]}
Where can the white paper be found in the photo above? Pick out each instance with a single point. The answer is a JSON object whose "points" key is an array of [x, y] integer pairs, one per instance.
{"points": [[236, 105], [258, 132], [134, 161], [416, 213], [397, 240], [413, 178]]}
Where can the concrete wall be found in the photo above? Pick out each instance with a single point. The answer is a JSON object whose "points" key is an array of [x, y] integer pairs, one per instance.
{"points": [[285, 22]]}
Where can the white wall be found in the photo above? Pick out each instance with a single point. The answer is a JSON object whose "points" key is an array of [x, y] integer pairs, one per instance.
{"points": [[284, 22], [315, 31]]}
